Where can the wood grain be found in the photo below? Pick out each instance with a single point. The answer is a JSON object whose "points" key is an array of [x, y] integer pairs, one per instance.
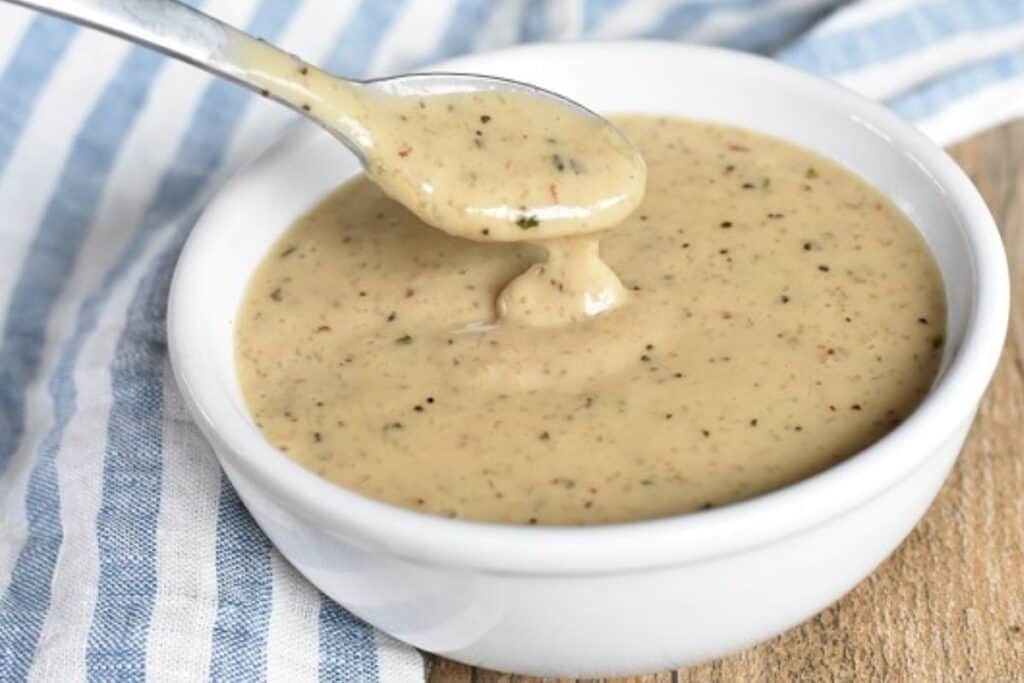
{"points": [[949, 603]]}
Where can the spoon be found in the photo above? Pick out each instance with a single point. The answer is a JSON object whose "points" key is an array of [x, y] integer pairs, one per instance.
{"points": [[479, 157]]}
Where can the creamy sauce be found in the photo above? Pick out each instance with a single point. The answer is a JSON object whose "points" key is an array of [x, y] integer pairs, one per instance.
{"points": [[782, 315], [501, 165]]}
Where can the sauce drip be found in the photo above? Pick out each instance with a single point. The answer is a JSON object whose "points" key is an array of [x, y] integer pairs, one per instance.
{"points": [[573, 284], [495, 166]]}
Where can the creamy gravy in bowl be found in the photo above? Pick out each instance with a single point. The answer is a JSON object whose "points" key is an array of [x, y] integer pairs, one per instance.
{"points": [[782, 315]]}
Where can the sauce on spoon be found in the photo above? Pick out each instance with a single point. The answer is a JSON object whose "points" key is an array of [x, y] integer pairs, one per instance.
{"points": [[503, 165]]}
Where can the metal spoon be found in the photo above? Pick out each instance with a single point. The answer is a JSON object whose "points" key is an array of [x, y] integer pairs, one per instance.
{"points": [[189, 35]]}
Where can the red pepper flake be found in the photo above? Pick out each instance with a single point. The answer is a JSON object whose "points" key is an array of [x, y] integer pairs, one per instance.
{"points": [[405, 151], [738, 148], [324, 328], [554, 192]]}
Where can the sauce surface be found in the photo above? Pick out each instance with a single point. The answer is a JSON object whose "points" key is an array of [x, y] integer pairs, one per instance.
{"points": [[782, 315]]}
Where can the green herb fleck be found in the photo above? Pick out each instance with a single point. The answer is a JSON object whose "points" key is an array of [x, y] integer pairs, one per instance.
{"points": [[404, 340], [811, 173], [527, 222]]}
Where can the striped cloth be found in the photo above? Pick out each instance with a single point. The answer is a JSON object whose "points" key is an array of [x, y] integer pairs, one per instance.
{"points": [[124, 552]]}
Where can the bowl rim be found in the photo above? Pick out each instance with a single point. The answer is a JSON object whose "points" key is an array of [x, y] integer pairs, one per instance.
{"points": [[644, 544]]}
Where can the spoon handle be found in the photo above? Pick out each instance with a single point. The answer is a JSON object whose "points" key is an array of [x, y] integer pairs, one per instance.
{"points": [[165, 25]]}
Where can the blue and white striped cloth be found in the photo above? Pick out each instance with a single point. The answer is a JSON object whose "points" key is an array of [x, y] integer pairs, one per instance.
{"points": [[124, 553]]}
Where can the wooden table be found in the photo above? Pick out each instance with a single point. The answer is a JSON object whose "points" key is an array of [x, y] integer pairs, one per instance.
{"points": [[949, 603]]}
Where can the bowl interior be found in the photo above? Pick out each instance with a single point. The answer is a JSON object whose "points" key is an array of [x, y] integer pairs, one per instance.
{"points": [[645, 78]]}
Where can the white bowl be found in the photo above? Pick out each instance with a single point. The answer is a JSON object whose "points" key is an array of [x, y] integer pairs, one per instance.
{"points": [[621, 598]]}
